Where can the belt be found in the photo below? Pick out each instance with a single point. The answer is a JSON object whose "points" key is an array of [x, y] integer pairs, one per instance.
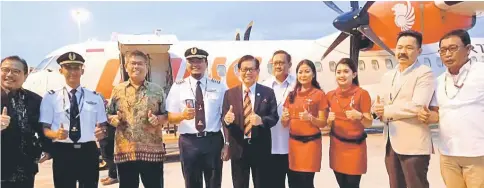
{"points": [[358, 140], [202, 134], [306, 139], [73, 145]]}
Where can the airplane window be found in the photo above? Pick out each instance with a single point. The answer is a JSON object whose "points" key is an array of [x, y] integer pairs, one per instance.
{"points": [[319, 66], [389, 63], [221, 70], [332, 66], [269, 68], [375, 65], [439, 62], [427, 62], [361, 65], [48, 63], [473, 59]]}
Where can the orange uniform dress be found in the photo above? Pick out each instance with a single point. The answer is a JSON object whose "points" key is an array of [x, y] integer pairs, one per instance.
{"points": [[344, 157], [305, 157]]}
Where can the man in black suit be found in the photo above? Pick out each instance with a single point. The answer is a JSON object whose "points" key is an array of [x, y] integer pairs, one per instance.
{"points": [[250, 111]]}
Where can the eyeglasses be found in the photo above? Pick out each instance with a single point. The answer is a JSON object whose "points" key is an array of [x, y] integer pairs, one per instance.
{"points": [[278, 63], [6, 70], [250, 70], [451, 49]]}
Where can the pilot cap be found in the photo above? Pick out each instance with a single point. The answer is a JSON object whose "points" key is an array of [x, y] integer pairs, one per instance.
{"points": [[196, 53], [70, 58]]}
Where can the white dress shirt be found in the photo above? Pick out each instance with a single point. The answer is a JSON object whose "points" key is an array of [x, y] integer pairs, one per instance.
{"points": [[55, 106], [213, 94], [461, 112], [280, 135]]}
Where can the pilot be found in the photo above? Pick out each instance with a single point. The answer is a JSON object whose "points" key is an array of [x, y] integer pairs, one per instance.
{"points": [[195, 104], [74, 118]]}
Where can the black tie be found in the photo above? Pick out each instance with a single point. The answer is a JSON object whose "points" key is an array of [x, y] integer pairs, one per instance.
{"points": [[75, 126], [199, 109]]}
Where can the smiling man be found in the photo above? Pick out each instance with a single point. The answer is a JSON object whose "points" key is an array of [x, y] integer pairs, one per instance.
{"points": [[405, 91]]}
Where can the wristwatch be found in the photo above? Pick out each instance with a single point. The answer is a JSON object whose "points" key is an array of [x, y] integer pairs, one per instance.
{"points": [[227, 143]]}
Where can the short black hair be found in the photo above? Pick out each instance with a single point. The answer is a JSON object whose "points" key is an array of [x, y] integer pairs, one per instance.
{"points": [[411, 33], [248, 58], [288, 56], [17, 58], [462, 34]]}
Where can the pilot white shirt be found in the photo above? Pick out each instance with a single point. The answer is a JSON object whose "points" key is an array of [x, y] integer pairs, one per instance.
{"points": [[280, 135], [461, 112], [213, 95], [54, 110], [251, 97]]}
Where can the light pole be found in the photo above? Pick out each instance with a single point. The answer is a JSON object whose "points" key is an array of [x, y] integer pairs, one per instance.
{"points": [[80, 15]]}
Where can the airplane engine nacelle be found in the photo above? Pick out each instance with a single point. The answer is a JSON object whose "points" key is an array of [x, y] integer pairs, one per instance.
{"points": [[388, 18]]}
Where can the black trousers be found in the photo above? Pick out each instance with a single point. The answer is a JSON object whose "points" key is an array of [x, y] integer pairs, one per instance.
{"points": [[279, 167], [347, 181], [151, 174], [201, 156], [107, 152], [251, 160], [74, 163], [28, 183], [300, 179], [406, 170]]}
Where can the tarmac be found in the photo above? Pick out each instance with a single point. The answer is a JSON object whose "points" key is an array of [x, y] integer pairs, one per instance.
{"points": [[376, 177]]}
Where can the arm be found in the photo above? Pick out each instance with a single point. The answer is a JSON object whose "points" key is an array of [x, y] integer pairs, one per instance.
{"points": [[434, 115], [365, 106], [225, 109], [422, 94], [46, 117], [320, 121], [112, 109]]}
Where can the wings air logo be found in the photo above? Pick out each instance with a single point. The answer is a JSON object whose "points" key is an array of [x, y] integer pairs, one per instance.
{"points": [[404, 15]]}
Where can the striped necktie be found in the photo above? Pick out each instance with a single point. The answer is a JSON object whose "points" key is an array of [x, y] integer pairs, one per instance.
{"points": [[247, 113]]}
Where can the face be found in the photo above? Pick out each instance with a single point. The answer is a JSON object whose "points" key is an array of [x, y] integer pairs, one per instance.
{"points": [[280, 65], [344, 75], [72, 72], [13, 75], [197, 66], [453, 52], [305, 74], [136, 68], [248, 72], [407, 50]]}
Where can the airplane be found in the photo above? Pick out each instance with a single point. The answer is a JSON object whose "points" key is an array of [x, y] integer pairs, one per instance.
{"points": [[376, 23]]}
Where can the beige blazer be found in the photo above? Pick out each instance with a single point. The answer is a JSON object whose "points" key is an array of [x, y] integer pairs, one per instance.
{"points": [[403, 97]]}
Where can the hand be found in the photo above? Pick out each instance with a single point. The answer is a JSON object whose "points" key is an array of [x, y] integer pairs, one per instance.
{"points": [[305, 116], [379, 107], [5, 120], [225, 155], [61, 133], [229, 116], [255, 119], [424, 114], [285, 114], [353, 114], [189, 113], [100, 132], [116, 118], [152, 118], [45, 157], [331, 118]]}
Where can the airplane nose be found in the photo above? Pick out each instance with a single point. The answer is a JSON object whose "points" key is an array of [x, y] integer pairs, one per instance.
{"points": [[42, 81]]}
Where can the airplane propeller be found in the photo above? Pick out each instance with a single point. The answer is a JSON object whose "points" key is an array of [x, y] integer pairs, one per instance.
{"points": [[354, 24]]}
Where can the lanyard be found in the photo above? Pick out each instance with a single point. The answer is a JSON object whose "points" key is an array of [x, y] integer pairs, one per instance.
{"points": [[204, 93], [64, 91]]}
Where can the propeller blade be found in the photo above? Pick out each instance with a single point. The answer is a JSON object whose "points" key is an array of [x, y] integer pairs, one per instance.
{"points": [[333, 6], [247, 31], [366, 7], [354, 5], [368, 32], [354, 48], [341, 37]]}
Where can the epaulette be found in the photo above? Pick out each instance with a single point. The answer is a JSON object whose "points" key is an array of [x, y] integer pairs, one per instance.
{"points": [[180, 82], [215, 81], [51, 92]]}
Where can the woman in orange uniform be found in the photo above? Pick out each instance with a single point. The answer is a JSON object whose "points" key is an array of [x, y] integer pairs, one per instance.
{"points": [[348, 117], [304, 112]]}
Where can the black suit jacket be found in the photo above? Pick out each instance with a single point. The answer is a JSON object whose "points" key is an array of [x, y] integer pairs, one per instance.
{"points": [[265, 105]]}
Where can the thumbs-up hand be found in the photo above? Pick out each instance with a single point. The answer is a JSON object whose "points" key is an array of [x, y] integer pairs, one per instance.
{"points": [[100, 132], [255, 119], [424, 114], [152, 118], [5, 119], [285, 114], [189, 113], [229, 116], [353, 114], [61, 133], [379, 107], [331, 117], [305, 115]]}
